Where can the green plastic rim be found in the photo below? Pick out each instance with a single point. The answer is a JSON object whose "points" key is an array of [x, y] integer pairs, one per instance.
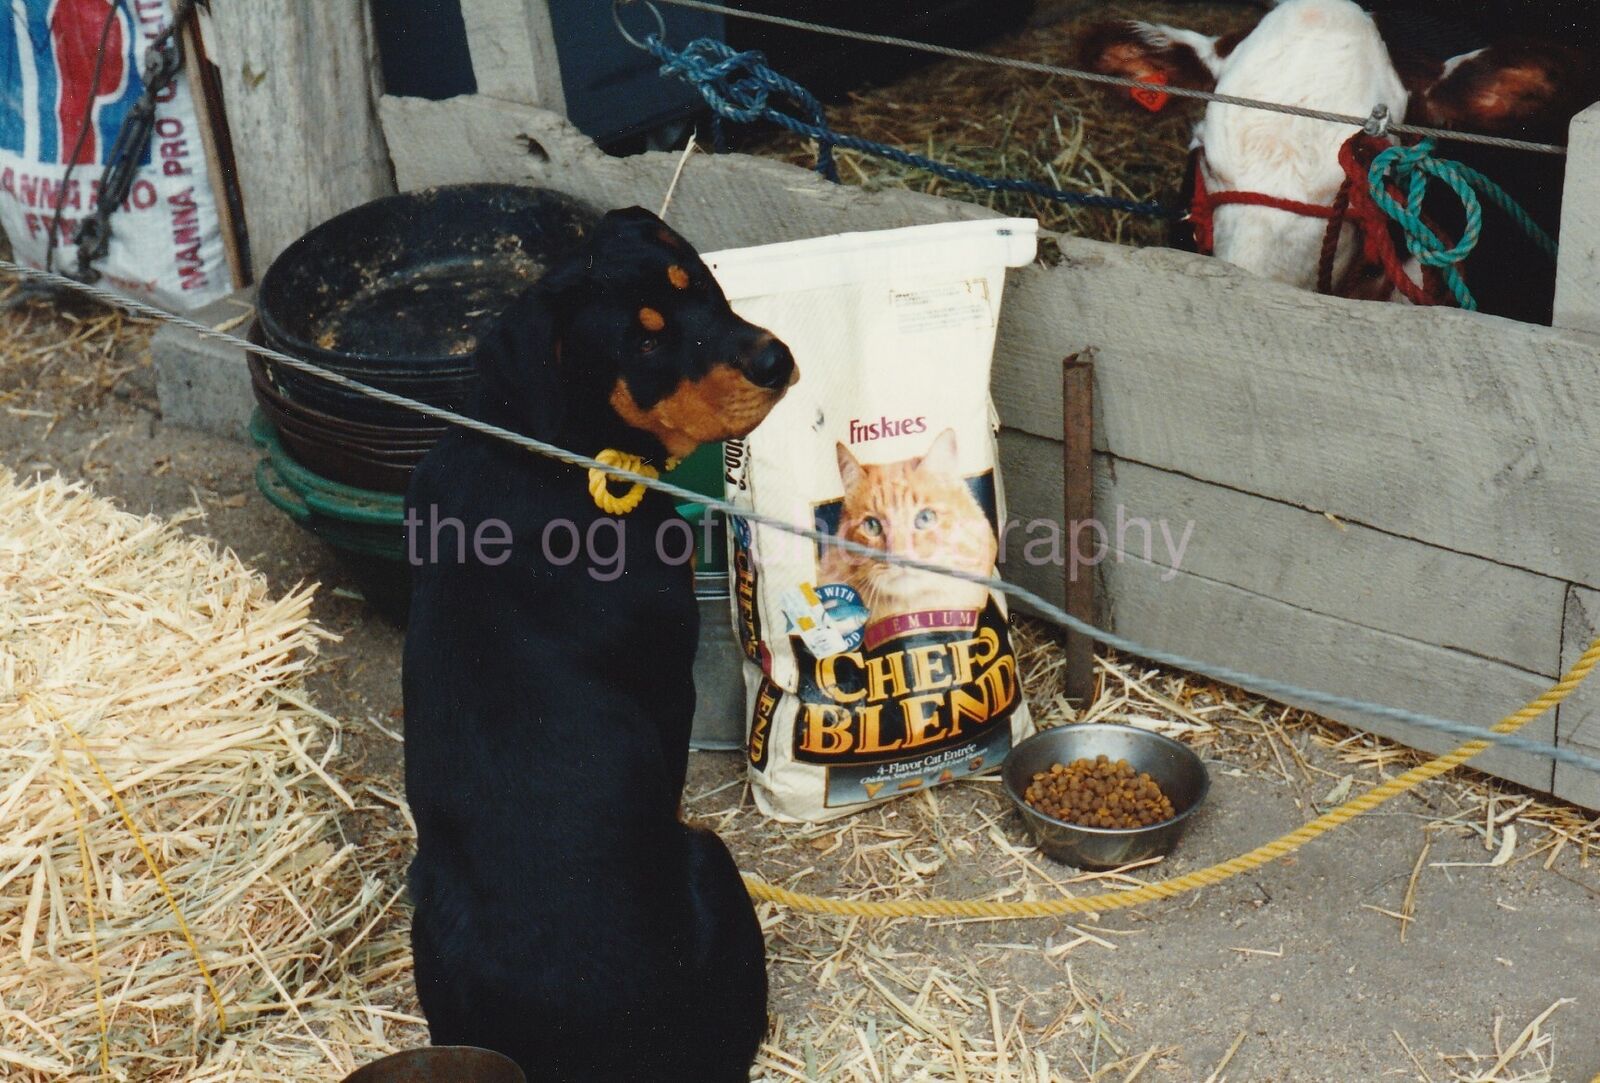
{"points": [[319, 494]]}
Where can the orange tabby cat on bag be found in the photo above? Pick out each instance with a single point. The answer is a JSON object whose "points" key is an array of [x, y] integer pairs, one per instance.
{"points": [[921, 508]]}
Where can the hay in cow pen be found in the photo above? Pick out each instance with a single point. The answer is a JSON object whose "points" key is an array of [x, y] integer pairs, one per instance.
{"points": [[1009, 123], [172, 856]]}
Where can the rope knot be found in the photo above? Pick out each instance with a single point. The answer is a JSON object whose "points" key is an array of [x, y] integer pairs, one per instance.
{"points": [[1398, 181], [739, 87], [729, 81]]}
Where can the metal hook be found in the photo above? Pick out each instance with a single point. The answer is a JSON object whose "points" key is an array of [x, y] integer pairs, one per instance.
{"points": [[1378, 122], [616, 17]]}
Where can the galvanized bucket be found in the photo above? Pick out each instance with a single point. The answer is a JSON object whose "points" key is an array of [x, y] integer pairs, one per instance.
{"points": [[719, 715]]}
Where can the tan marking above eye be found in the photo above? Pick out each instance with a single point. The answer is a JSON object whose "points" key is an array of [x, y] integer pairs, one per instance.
{"points": [[651, 320], [678, 277]]}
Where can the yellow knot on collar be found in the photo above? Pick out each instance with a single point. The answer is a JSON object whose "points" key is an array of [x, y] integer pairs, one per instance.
{"points": [[600, 480]]}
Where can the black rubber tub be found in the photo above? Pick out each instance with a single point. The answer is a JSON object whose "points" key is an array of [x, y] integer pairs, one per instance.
{"points": [[399, 292]]}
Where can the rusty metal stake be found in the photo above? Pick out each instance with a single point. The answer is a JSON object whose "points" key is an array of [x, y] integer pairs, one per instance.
{"points": [[1077, 503]]}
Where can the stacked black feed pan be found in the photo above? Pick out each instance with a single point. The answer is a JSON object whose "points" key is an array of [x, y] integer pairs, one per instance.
{"points": [[396, 294]]}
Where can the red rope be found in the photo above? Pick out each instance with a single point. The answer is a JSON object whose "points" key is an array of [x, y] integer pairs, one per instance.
{"points": [[1377, 240], [1203, 204], [1353, 204]]}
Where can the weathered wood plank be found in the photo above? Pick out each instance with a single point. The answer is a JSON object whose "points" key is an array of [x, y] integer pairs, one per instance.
{"points": [[514, 51], [1464, 431], [1353, 573], [1468, 432], [1578, 719], [722, 201], [1223, 624], [297, 89], [1578, 266]]}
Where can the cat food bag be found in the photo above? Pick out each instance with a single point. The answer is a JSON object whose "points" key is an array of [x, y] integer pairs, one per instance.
{"points": [[864, 680]]}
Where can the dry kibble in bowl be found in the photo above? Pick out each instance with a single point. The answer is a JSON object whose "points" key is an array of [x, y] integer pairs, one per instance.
{"points": [[1099, 793]]}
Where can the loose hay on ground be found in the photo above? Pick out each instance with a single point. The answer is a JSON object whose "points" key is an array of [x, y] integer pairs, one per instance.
{"points": [[866, 1002], [129, 648], [62, 353]]}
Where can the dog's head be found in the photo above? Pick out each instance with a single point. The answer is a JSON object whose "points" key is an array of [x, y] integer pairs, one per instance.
{"points": [[632, 331]]}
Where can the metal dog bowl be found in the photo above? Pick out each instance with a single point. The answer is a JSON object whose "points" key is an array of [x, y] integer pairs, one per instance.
{"points": [[1175, 768], [440, 1064]]}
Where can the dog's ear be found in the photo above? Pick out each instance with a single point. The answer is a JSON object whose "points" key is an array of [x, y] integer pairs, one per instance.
{"points": [[637, 226], [522, 384]]}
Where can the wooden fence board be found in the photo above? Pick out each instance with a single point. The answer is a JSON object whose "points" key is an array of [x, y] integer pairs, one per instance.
{"points": [[1577, 301], [1578, 719], [1465, 431], [296, 81], [1353, 573], [722, 201], [514, 52], [1226, 625]]}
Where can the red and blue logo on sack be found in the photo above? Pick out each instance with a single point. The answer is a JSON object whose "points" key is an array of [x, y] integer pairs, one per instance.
{"points": [[53, 75]]}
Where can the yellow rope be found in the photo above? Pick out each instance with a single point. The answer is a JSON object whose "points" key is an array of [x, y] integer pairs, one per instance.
{"points": [[1215, 874], [150, 863], [599, 481]]}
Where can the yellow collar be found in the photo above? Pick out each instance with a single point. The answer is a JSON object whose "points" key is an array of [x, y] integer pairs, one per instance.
{"points": [[599, 481]]}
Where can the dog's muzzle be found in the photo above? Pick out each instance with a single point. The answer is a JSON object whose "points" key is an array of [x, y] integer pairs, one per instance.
{"points": [[771, 366]]}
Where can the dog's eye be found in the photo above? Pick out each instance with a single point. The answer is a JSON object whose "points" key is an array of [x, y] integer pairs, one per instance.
{"points": [[649, 344]]}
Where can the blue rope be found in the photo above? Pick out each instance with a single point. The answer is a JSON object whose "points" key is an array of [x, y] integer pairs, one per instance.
{"points": [[740, 87], [1410, 168]]}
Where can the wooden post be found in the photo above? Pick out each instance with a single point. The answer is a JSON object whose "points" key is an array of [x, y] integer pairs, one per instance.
{"points": [[220, 166], [297, 87], [1577, 302], [514, 52], [1577, 306], [1077, 503]]}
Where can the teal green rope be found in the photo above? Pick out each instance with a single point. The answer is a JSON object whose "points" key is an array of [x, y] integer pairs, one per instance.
{"points": [[1409, 168]]}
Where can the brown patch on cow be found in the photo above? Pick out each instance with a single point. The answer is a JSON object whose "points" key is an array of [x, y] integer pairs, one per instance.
{"points": [[1123, 48], [678, 277], [720, 405], [1523, 87], [651, 320]]}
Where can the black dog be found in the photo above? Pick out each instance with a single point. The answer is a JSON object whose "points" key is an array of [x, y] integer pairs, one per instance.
{"points": [[564, 916]]}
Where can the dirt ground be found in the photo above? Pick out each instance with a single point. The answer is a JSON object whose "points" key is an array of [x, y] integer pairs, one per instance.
{"points": [[1296, 973]]}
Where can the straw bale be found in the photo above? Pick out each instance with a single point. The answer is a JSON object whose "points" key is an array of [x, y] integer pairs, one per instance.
{"points": [[146, 746]]}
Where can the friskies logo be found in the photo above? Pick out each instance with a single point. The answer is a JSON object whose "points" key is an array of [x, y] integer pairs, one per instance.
{"points": [[864, 429], [48, 61]]}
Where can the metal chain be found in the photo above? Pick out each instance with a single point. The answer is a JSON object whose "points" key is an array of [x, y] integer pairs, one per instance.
{"points": [[163, 60], [1085, 76], [1267, 686]]}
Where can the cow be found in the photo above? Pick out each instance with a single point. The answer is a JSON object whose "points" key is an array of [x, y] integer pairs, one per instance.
{"points": [[1333, 55]]}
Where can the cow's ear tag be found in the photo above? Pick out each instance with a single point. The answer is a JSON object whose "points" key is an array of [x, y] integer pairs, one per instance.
{"points": [[1153, 100]]}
